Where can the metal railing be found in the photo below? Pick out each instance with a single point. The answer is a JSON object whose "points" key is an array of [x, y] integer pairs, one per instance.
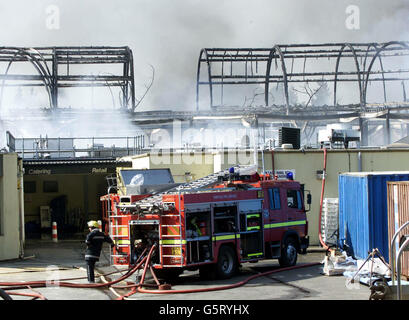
{"points": [[396, 265], [84, 147]]}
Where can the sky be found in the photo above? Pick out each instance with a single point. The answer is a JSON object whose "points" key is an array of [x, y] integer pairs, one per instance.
{"points": [[168, 34]]}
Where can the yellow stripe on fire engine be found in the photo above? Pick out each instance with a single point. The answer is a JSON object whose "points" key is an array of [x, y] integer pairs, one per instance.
{"points": [[226, 237], [253, 215], [255, 254], [172, 241], [122, 242], [284, 224]]}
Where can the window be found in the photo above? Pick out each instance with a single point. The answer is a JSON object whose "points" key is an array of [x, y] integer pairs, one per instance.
{"points": [[50, 186], [294, 199], [30, 187], [274, 197]]}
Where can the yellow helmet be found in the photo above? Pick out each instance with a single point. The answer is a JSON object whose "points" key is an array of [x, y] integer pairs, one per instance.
{"points": [[93, 224]]}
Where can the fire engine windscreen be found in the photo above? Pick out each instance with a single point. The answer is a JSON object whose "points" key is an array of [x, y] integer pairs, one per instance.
{"points": [[144, 236], [146, 181]]}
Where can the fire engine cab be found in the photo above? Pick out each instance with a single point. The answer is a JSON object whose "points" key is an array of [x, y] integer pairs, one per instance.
{"points": [[212, 224]]}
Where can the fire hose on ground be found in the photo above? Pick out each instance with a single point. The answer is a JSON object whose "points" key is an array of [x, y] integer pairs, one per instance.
{"points": [[43, 283], [136, 287], [39, 284]]}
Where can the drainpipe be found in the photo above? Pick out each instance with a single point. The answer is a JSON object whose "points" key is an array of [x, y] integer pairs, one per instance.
{"points": [[272, 163], [359, 161], [20, 175], [324, 171]]}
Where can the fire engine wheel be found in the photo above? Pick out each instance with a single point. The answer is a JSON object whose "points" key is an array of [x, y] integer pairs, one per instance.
{"points": [[226, 265], [288, 253]]}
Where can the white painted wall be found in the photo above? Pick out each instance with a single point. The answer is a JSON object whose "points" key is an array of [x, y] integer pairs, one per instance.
{"points": [[9, 208]]}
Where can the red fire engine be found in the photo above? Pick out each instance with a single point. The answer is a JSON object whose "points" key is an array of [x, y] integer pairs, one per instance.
{"points": [[212, 224]]}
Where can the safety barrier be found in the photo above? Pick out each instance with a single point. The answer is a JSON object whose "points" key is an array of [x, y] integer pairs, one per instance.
{"points": [[54, 232]]}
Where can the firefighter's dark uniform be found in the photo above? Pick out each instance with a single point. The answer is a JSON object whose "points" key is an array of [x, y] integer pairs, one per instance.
{"points": [[94, 242]]}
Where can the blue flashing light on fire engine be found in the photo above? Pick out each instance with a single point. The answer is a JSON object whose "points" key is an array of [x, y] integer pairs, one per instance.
{"points": [[231, 170], [290, 176]]}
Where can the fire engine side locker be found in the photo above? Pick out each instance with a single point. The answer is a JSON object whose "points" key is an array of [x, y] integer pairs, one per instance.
{"points": [[135, 223], [251, 229], [222, 237], [199, 248]]}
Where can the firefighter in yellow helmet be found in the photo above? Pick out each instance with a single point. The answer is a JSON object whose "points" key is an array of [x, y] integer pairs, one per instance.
{"points": [[94, 241]]}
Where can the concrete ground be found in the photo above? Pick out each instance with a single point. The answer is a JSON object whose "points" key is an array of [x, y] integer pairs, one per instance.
{"points": [[46, 260]]}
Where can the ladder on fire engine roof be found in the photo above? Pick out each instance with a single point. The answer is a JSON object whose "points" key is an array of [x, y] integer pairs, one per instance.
{"points": [[206, 181]]}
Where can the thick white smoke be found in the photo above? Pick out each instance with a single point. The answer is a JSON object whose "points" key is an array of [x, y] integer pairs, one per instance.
{"points": [[169, 36]]}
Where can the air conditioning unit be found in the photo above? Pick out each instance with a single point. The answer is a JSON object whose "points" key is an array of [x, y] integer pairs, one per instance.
{"points": [[289, 136], [335, 137]]}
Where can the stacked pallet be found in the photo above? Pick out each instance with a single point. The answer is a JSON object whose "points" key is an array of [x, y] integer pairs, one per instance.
{"points": [[329, 221]]}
